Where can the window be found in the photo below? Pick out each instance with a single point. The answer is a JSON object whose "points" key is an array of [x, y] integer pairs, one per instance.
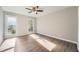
{"points": [[10, 26]]}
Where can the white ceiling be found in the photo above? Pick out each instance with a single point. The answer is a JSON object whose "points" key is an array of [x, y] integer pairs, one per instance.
{"points": [[23, 11]]}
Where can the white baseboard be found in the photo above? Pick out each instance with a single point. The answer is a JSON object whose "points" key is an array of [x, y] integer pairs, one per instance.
{"points": [[60, 38], [24, 34], [65, 40], [20, 35]]}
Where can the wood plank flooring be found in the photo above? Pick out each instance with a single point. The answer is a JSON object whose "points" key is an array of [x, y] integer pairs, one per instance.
{"points": [[36, 43]]}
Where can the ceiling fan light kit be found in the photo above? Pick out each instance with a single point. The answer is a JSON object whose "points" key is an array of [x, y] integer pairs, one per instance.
{"points": [[34, 9]]}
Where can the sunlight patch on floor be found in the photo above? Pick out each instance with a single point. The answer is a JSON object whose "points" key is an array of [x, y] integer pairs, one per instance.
{"points": [[45, 43], [35, 36], [8, 43]]}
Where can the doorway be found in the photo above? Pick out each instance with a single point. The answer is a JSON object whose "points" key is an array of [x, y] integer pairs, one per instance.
{"points": [[31, 26]]}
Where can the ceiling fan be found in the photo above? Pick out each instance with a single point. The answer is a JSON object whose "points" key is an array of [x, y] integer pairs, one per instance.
{"points": [[34, 9]]}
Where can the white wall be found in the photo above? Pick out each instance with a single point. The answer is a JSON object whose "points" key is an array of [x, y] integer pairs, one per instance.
{"points": [[78, 28], [21, 25], [1, 25], [61, 24]]}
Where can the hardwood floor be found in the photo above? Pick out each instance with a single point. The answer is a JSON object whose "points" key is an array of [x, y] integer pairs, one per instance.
{"points": [[41, 43]]}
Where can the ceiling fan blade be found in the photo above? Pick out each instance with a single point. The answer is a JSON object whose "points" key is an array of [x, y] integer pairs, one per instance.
{"points": [[40, 10], [28, 8], [36, 13], [30, 12]]}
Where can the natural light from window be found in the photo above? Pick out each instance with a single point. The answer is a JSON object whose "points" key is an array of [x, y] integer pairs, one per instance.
{"points": [[45, 43], [8, 44]]}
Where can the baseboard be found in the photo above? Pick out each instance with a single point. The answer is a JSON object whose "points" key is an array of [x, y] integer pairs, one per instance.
{"points": [[65, 40], [20, 35], [24, 35], [60, 38]]}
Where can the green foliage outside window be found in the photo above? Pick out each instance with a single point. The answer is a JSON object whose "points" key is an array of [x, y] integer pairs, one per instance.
{"points": [[11, 29]]}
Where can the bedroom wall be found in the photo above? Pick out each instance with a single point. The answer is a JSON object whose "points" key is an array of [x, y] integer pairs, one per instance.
{"points": [[1, 25], [78, 28], [21, 25], [61, 24]]}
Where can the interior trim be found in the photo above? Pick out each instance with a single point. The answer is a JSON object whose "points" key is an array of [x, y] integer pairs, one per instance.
{"points": [[59, 38]]}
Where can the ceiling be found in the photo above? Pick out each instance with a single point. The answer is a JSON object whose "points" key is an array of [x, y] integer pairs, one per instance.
{"points": [[23, 11]]}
